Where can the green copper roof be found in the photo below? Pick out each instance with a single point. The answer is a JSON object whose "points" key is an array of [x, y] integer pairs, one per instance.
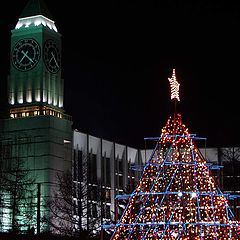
{"points": [[35, 7]]}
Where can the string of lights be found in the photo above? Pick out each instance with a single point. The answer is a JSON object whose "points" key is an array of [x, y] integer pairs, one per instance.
{"points": [[177, 196]]}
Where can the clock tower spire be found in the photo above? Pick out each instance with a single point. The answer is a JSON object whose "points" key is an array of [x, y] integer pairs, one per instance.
{"points": [[35, 85], [34, 8]]}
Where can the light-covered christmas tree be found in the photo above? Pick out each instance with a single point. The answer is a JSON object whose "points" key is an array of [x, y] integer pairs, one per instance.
{"points": [[177, 196]]}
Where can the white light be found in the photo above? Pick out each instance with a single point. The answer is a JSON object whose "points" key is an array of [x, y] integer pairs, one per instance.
{"points": [[29, 96], [29, 99], [37, 96], [193, 195], [54, 101], [174, 85], [54, 28], [122, 206], [60, 102], [44, 23], [20, 97], [37, 22], [180, 194], [49, 25], [27, 24], [11, 98], [19, 25]]}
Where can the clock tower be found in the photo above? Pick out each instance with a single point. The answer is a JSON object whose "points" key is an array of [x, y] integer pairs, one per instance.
{"points": [[35, 83], [37, 133]]}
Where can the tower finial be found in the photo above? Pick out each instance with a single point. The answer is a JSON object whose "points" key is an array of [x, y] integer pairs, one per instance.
{"points": [[174, 85]]}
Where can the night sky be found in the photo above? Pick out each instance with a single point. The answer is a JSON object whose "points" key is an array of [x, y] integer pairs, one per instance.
{"points": [[117, 57]]}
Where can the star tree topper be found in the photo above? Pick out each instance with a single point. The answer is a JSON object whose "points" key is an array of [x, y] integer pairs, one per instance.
{"points": [[174, 85]]}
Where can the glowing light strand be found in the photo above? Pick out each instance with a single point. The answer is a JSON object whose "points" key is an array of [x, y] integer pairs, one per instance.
{"points": [[176, 197], [174, 85]]}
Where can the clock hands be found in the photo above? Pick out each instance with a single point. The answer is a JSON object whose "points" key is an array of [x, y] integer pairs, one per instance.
{"points": [[53, 58], [25, 55]]}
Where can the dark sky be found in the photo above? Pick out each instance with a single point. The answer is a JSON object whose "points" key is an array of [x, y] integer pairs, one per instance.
{"points": [[118, 55]]}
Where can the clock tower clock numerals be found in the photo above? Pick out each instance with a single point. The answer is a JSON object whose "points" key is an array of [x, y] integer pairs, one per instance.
{"points": [[26, 54], [52, 56]]}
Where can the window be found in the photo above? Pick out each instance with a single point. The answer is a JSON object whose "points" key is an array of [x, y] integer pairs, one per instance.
{"points": [[94, 210], [108, 175], [74, 166], [121, 182], [93, 168], [6, 155], [108, 213], [79, 160], [108, 195], [120, 166], [103, 170]]}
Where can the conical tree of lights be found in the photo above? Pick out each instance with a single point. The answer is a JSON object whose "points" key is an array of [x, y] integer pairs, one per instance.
{"points": [[177, 197]]}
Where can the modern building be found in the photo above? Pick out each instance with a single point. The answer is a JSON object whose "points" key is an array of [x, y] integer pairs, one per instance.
{"points": [[38, 134]]}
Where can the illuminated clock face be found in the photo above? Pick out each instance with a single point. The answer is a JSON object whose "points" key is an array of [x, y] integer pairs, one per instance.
{"points": [[52, 57], [26, 54]]}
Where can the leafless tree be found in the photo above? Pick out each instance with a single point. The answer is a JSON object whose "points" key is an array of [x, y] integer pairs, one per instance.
{"points": [[230, 174], [17, 189], [71, 206]]}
